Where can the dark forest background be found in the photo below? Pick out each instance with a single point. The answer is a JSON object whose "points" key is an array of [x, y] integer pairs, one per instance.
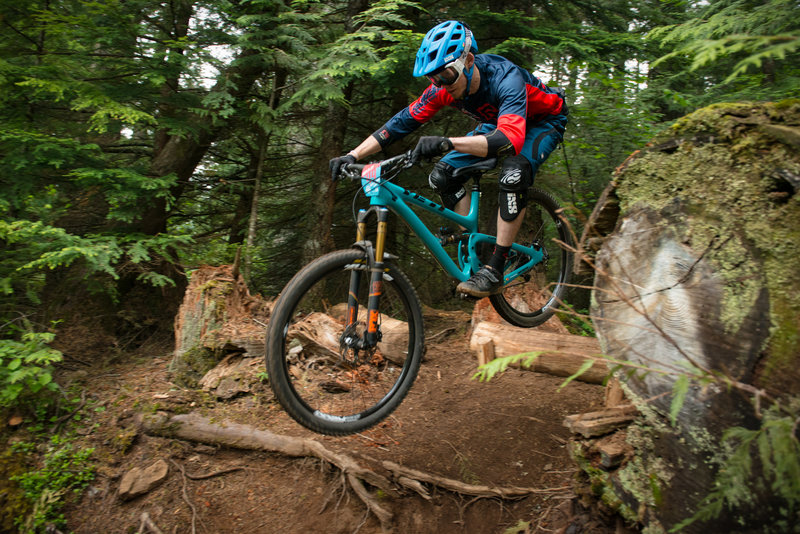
{"points": [[140, 139]]}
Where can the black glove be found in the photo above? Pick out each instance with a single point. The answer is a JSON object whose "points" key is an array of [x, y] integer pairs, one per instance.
{"points": [[337, 163], [430, 146]]}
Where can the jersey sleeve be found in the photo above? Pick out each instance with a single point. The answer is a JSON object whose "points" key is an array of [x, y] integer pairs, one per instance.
{"points": [[513, 108], [412, 117], [542, 101]]}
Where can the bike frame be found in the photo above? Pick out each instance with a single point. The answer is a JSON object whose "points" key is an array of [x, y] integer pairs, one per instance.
{"points": [[384, 194]]}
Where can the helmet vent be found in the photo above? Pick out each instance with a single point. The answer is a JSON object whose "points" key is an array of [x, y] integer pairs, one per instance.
{"points": [[442, 45]]}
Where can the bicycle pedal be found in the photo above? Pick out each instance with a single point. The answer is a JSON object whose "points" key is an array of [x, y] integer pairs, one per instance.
{"points": [[464, 296]]}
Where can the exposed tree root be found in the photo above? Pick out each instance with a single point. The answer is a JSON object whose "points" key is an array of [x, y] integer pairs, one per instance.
{"points": [[147, 525], [193, 427], [405, 474]]}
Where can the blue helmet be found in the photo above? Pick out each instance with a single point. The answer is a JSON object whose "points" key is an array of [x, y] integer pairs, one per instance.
{"points": [[442, 45]]}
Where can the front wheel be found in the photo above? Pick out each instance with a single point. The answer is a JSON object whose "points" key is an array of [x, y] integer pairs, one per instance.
{"points": [[318, 371], [531, 299]]}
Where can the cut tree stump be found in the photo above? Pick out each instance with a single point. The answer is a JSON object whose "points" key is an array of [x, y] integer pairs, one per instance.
{"points": [[695, 245], [218, 316], [561, 354]]}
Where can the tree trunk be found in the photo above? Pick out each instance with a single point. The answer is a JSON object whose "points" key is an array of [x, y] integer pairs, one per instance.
{"points": [[253, 222], [323, 193], [700, 273]]}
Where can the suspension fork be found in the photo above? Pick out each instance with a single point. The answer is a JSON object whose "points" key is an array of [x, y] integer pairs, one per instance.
{"points": [[376, 268]]}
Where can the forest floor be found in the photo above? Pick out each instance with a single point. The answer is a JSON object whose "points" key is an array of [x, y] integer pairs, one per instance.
{"points": [[504, 432]]}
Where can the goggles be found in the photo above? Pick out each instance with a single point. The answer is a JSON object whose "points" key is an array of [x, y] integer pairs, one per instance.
{"points": [[448, 75], [451, 72]]}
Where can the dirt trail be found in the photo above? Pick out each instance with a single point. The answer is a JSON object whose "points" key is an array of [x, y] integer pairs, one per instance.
{"points": [[507, 432]]}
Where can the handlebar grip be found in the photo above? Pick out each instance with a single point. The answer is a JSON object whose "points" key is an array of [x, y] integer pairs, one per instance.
{"points": [[351, 170]]}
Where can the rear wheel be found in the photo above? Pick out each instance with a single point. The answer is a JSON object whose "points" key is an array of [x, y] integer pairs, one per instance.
{"points": [[531, 299], [316, 370]]}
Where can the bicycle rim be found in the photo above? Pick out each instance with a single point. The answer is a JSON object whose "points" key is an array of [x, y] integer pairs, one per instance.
{"points": [[531, 299], [321, 381]]}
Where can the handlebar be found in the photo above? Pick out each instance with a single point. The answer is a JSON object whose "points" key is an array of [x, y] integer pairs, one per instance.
{"points": [[353, 170]]}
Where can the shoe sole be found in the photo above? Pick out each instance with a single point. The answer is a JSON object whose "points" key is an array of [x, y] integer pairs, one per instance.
{"points": [[476, 294]]}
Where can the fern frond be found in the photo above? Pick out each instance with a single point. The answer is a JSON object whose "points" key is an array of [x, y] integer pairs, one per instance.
{"points": [[489, 370]]}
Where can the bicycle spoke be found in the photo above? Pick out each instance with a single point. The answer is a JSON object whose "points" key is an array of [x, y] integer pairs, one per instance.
{"points": [[531, 299], [330, 381]]}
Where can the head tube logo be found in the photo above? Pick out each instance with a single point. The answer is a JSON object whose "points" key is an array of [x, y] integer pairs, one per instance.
{"points": [[370, 179]]}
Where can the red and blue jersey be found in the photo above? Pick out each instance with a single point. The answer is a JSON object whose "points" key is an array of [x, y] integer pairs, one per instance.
{"points": [[508, 96]]}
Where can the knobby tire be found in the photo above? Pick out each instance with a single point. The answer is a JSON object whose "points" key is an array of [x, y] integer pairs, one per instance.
{"points": [[531, 302], [340, 394]]}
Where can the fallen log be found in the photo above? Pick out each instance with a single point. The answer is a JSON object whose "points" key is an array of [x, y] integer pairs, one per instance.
{"points": [[561, 354], [394, 333], [598, 423]]}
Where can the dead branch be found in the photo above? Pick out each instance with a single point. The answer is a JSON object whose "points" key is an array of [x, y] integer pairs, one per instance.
{"points": [[508, 493], [147, 524]]}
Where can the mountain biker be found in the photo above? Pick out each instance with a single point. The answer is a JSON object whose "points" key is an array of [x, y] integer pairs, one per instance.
{"points": [[520, 119]]}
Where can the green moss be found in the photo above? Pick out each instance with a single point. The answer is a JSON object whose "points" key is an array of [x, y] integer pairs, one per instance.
{"points": [[653, 528], [123, 439], [189, 367], [12, 498], [787, 104], [785, 338], [602, 487], [725, 174], [644, 476]]}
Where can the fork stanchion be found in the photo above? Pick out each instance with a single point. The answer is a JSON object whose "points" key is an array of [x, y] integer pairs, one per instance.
{"points": [[372, 335]]}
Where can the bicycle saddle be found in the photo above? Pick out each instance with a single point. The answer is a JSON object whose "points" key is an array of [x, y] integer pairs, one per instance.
{"points": [[476, 168]]}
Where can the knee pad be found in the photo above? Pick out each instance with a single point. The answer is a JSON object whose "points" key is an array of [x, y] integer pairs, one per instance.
{"points": [[441, 180], [516, 177], [511, 203]]}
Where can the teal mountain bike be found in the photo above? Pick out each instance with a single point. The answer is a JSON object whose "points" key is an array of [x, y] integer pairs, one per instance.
{"points": [[346, 336]]}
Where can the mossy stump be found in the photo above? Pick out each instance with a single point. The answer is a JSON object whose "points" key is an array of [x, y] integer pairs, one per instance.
{"points": [[218, 317], [698, 266]]}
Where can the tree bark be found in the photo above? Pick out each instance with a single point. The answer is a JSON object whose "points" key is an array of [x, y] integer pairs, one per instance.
{"points": [[697, 274], [323, 192]]}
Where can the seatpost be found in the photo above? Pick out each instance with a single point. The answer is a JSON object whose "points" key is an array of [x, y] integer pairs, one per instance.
{"points": [[476, 182]]}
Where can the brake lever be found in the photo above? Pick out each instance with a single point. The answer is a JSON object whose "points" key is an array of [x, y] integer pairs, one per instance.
{"points": [[348, 173]]}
